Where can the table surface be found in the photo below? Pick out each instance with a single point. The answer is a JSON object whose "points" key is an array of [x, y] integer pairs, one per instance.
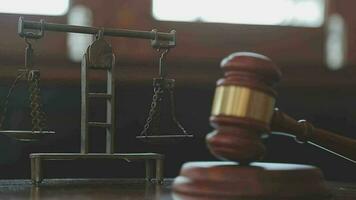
{"points": [[109, 189]]}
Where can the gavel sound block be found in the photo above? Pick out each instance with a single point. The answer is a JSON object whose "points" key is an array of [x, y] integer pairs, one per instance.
{"points": [[243, 113]]}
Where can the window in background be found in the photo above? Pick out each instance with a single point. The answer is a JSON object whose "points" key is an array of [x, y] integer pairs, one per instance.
{"points": [[336, 42], [35, 7], [308, 13], [78, 43]]}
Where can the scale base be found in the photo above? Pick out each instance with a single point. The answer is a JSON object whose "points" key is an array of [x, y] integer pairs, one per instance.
{"points": [[151, 160], [228, 180]]}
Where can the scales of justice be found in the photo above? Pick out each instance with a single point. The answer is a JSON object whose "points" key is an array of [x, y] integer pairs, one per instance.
{"points": [[98, 56], [243, 113]]}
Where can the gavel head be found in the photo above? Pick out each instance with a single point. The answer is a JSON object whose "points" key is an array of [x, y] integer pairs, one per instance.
{"points": [[243, 106]]}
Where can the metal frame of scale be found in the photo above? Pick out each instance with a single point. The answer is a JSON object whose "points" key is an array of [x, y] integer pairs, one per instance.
{"points": [[99, 59]]}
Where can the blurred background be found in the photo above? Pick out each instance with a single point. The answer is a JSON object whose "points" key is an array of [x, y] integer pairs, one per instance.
{"points": [[312, 41]]}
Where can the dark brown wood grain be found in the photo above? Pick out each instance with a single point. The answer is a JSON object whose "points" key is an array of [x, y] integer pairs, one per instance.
{"points": [[229, 180], [307, 133], [129, 189]]}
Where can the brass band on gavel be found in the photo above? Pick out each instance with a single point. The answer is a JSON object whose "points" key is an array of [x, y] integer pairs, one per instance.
{"points": [[240, 101]]}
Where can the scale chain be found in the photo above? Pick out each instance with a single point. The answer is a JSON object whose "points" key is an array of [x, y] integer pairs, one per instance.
{"points": [[153, 110], [37, 114], [7, 98], [173, 113], [158, 91]]}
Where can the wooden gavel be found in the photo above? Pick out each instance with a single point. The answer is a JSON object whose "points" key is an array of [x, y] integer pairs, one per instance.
{"points": [[243, 112]]}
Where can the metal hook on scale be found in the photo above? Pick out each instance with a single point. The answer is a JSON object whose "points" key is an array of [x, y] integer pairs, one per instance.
{"points": [[162, 69], [100, 52]]}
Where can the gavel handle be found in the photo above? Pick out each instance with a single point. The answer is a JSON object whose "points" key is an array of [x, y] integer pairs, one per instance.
{"points": [[305, 132]]}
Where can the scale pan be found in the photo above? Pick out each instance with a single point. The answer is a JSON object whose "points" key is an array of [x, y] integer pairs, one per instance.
{"points": [[26, 136], [165, 139]]}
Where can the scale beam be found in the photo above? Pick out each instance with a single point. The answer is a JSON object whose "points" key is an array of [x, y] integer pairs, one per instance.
{"points": [[45, 26]]}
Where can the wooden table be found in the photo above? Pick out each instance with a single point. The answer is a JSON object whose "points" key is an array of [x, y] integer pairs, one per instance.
{"points": [[127, 189]]}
